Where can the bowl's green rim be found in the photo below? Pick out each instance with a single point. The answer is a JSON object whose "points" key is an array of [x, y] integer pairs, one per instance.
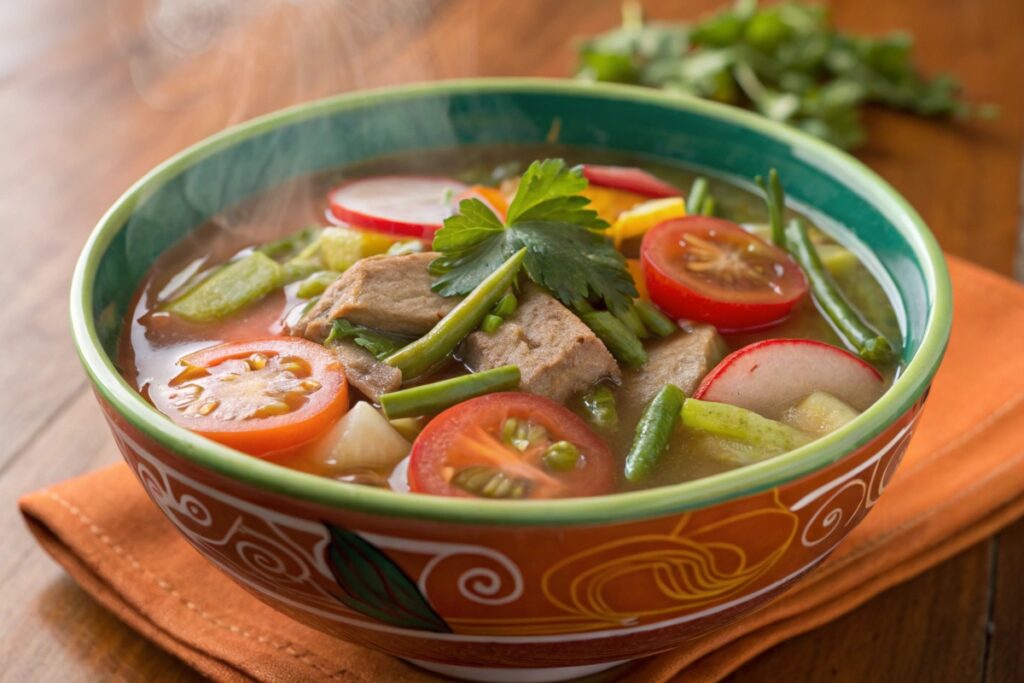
{"points": [[603, 509]]}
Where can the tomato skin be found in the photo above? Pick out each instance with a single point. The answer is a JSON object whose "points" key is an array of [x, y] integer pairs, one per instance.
{"points": [[630, 179], [431, 448], [684, 296], [273, 435]]}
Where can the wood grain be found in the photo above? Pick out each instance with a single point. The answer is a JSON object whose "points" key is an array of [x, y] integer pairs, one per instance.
{"points": [[92, 96]]}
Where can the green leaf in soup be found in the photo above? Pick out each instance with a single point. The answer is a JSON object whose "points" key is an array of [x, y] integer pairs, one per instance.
{"points": [[373, 585], [550, 191], [574, 263]]}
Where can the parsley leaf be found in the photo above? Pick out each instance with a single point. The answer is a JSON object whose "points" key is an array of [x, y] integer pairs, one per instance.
{"points": [[380, 345], [551, 219]]}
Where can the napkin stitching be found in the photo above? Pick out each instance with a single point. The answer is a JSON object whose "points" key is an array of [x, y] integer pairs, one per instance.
{"points": [[981, 426], [306, 657], [837, 564]]}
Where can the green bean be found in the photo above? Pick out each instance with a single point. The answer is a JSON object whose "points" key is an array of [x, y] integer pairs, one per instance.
{"points": [[698, 193], [424, 353], [623, 344], [506, 306], [708, 207], [491, 323], [230, 289], [599, 403], [653, 432], [315, 284], [858, 334], [290, 244], [775, 198], [631, 319], [656, 321], [429, 399], [740, 424]]}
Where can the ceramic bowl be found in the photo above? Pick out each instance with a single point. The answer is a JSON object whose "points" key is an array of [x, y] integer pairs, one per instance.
{"points": [[509, 590]]}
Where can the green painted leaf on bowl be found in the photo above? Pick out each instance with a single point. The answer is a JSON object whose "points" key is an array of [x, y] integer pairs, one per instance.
{"points": [[373, 585]]}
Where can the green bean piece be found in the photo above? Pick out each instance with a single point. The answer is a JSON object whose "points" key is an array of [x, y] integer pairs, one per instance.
{"points": [[775, 198], [506, 306], [429, 399], [698, 193], [655, 321], [232, 288], [491, 323], [631, 319], [599, 403], [583, 306], [623, 344], [708, 207], [290, 244], [315, 284], [653, 432], [561, 456], [424, 353], [740, 424], [858, 334]]}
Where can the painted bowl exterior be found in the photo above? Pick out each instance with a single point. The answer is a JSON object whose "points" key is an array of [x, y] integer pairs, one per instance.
{"points": [[507, 596], [628, 576]]}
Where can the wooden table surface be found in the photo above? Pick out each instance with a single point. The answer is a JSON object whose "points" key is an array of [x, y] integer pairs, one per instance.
{"points": [[93, 94]]}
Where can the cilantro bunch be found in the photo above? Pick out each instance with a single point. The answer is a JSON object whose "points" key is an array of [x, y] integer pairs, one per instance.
{"points": [[786, 62], [565, 250]]}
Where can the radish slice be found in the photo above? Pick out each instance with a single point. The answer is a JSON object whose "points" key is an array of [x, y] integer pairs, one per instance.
{"points": [[770, 376], [629, 179], [413, 206]]}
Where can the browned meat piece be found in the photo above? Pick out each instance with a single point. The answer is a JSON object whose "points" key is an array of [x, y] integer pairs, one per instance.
{"points": [[387, 293], [682, 359], [556, 353], [366, 373]]}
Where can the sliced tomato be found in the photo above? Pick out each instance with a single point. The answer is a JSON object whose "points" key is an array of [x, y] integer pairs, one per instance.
{"points": [[412, 206], [629, 179], [262, 396], [714, 271], [471, 442]]}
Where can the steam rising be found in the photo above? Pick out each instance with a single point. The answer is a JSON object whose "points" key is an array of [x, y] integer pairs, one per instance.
{"points": [[220, 62]]}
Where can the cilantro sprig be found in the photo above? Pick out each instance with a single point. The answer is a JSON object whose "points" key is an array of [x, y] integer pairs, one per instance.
{"points": [[786, 62], [548, 216]]}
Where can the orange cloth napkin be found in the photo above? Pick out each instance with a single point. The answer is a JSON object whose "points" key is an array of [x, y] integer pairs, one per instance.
{"points": [[962, 479]]}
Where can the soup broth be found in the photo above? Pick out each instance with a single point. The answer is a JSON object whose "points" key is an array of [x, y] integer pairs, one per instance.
{"points": [[155, 338]]}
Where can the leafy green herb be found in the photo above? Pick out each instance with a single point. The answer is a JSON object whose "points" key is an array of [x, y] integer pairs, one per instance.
{"points": [[380, 345], [549, 217], [787, 62]]}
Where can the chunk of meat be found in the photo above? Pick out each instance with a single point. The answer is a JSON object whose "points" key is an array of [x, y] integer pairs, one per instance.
{"points": [[556, 353], [367, 374], [387, 293], [681, 359]]}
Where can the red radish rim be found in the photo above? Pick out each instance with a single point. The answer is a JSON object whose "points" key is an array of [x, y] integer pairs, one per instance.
{"points": [[339, 214], [648, 184], [727, 362]]}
